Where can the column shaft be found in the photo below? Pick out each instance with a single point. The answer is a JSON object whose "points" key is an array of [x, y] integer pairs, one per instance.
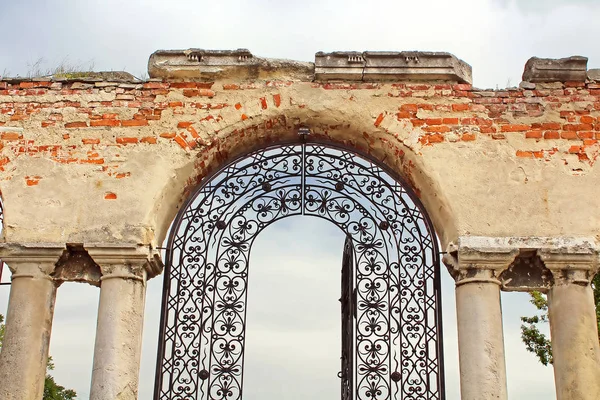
{"points": [[480, 341], [118, 346], [575, 349], [27, 337]]}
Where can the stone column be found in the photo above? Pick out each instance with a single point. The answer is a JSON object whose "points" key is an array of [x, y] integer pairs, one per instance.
{"points": [[573, 326], [28, 322], [479, 315], [117, 352]]}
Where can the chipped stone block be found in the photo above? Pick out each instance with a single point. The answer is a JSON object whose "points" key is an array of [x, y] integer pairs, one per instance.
{"points": [[556, 70], [391, 66], [594, 75], [224, 64]]}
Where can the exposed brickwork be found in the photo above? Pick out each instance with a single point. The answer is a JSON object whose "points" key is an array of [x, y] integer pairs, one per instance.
{"points": [[80, 122]]}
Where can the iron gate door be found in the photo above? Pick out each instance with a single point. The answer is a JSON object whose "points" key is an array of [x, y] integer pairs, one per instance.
{"points": [[348, 306], [396, 347]]}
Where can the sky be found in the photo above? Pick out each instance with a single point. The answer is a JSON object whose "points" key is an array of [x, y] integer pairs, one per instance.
{"points": [[496, 37]]}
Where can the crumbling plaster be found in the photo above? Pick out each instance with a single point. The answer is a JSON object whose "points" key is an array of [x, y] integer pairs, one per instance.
{"points": [[123, 179]]}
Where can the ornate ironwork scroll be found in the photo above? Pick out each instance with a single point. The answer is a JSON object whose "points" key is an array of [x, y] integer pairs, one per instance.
{"points": [[397, 340]]}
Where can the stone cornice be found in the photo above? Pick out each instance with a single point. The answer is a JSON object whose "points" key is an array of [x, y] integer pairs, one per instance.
{"points": [[138, 256], [471, 254]]}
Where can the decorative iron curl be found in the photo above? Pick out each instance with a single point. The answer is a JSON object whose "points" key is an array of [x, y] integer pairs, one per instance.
{"points": [[398, 339]]}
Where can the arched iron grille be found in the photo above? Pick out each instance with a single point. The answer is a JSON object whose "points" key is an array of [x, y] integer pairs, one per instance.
{"points": [[397, 329]]}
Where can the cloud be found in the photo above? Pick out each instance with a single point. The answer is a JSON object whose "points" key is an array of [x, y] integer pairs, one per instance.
{"points": [[495, 37]]}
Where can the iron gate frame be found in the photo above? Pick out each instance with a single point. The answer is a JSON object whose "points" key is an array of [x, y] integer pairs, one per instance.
{"points": [[303, 141]]}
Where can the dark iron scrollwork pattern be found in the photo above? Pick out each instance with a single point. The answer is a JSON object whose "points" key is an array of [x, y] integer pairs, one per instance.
{"points": [[397, 328]]}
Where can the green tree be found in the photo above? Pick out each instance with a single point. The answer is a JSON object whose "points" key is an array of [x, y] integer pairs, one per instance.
{"points": [[52, 390], [537, 342]]}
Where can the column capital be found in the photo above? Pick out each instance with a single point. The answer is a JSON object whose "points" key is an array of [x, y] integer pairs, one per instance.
{"points": [[31, 259], [475, 261], [136, 259], [476, 254], [575, 265]]}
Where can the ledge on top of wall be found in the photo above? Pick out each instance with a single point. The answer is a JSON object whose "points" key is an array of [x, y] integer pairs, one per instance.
{"points": [[569, 69], [347, 65]]}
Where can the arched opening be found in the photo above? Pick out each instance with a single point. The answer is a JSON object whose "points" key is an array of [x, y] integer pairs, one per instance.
{"points": [[394, 329]]}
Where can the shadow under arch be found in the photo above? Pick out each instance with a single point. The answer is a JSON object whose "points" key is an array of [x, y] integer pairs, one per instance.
{"points": [[397, 334]]}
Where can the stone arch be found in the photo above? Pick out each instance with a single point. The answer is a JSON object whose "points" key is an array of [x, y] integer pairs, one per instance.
{"points": [[382, 146], [397, 312]]}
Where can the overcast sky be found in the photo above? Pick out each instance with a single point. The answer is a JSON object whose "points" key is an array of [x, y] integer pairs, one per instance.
{"points": [[496, 37]]}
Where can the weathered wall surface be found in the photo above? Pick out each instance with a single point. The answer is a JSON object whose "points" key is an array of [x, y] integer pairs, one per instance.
{"points": [[104, 161]]}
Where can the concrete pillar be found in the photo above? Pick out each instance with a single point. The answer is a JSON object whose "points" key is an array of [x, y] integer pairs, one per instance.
{"points": [[573, 326], [28, 323], [480, 339], [118, 345], [476, 265]]}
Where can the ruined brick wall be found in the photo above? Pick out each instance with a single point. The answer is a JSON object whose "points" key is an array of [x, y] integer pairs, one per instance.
{"points": [[110, 161]]}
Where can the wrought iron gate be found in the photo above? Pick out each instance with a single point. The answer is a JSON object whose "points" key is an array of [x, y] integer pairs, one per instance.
{"points": [[394, 349]]}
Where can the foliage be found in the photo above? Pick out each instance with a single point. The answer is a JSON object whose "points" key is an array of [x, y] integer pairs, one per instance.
{"points": [[52, 390], [537, 342]]}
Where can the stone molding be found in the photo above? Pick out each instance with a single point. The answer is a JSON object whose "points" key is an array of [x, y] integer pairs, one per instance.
{"points": [[35, 260], [572, 68], [391, 66], [40, 259], [238, 64], [137, 260], [573, 259], [576, 267]]}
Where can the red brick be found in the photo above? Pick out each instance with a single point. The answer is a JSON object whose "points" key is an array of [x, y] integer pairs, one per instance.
{"points": [[433, 121], [198, 93], [460, 107], [181, 141], [156, 85], [148, 139], [90, 141], [263, 103], [585, 135], [437, 129], [450, 121], [586, 119], [238, 106], [578, 127], [378, 120], [277, 100], [184, 124], [168, 135], [174, 104], [533, 134], [110, 196], [462, 87], [127, 140], [110, 116], [574, 149], [551, 135], [105, 122], [468, 137], [11, 136], [76, 124], [570, 135], [134, 122], [409, 107], [524, 154], [515, 128], [551, 125], [92, 161]]}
